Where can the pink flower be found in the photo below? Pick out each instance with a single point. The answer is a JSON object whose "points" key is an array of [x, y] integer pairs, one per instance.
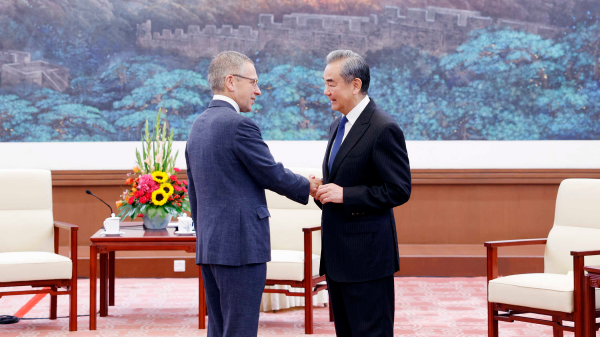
{"points": [[176, 169], [177, 188], [146, 184]]}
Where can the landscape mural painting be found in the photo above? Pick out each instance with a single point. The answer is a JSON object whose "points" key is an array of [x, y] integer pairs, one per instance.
{"points": [[96, 70]]}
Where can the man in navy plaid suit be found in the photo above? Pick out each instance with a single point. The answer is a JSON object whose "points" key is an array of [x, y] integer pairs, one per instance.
{"points": [[229, 166]]}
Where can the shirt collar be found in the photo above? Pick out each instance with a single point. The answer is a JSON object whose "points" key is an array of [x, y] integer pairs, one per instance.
{"points": [[228, 100], [357, 110]]}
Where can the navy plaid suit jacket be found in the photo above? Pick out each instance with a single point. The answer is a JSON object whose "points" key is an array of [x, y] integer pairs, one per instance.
{"points": [[229, 166]]}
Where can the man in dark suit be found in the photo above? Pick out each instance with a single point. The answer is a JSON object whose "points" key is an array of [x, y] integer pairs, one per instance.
{"points": [[366, 174], [229, 166]]}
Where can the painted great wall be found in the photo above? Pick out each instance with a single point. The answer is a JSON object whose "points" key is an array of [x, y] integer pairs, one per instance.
{"points": [[433, 28]]}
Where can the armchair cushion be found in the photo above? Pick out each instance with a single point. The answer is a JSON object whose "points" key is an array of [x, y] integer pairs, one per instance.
{"points": [[289, 265], [34, 266], [542, 291]]}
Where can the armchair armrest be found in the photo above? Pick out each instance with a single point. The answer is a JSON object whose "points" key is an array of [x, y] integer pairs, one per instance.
{"points": [[585, 253], [507, 243], [311, 229], [308, 281], [65, 225], [492, 252], [72, 242]]}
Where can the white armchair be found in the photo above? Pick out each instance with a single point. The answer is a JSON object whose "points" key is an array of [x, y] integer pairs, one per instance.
{"points": [[295, 254], [558, 291], [29, 240]]}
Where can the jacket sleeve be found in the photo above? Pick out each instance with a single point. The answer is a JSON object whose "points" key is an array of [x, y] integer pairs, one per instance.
{"points": [[191, 188], [250, 148], [391, 162]]}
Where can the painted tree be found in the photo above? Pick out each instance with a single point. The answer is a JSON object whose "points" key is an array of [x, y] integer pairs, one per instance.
{"points": [[292, 105], [16, 116], [517, 88], [131, 73], [181, 94]]}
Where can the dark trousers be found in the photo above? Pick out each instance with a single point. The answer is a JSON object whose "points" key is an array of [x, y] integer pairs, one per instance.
{"points": [[363, 309], [233, 297]]}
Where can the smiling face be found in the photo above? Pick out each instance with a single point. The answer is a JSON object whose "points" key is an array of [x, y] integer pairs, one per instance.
{"points": [[244, 92], [343, 96]]}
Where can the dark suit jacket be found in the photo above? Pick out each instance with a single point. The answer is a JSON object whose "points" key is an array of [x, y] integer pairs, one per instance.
{"points": [[229, 166], [359, 241]]}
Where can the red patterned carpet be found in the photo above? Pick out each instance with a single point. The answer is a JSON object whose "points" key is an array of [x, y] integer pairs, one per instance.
{"points": [[427, 307]]}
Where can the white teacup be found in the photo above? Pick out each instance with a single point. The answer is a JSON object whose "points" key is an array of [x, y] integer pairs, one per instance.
{"points": [[185, 223], [111, 225]]}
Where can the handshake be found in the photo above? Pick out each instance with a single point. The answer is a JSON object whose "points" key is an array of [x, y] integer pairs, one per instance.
{"points": [[325, 193]]}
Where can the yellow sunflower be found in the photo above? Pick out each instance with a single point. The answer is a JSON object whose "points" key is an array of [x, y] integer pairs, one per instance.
{"points": [[159, 197], [167, 188], [160, 177]]}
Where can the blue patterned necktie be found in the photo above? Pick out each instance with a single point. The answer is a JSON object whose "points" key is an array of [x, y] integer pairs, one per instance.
{"points": [[338, 140]]}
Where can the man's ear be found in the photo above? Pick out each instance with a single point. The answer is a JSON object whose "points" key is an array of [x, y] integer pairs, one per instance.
{"points": [[229, 83], [357, 85]]}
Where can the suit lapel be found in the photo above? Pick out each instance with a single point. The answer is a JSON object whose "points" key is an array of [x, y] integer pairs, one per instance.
{"points": [[334, 127], [356, 132]]}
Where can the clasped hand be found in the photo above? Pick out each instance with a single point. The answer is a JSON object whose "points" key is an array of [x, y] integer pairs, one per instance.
{"points": [[325, 193]]}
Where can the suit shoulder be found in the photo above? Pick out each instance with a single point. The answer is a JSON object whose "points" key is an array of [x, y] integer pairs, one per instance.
{"points": [[382, 119]]}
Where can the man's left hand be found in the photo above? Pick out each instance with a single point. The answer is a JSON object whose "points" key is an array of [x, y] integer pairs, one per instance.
{"points": [[330, 193]]}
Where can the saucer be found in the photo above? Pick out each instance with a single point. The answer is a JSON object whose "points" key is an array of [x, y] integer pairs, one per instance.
{"points": [[185, 233], [113, 234]]}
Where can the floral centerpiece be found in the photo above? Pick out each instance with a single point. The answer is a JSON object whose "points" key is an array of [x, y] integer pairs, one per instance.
{"points": [[156, 193]]}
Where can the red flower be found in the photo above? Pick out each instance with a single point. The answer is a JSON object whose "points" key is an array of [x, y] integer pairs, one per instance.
{"points": [[176, 169], [174, 178], [184, 190], [130, 200], [184, 182], [140, 215], [170, 198], [143, 200], [148, 196], [177, 188], [138, 194]]}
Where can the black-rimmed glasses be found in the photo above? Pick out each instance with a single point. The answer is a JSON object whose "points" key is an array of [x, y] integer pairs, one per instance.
{"points": [[254, 80]]}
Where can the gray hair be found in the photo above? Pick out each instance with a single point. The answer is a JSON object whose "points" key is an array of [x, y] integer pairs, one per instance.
{"points": [[224, 64], [353, 66]]}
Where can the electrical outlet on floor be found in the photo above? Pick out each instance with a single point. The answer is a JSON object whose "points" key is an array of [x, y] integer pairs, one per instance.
{"points": [[179, 266]]}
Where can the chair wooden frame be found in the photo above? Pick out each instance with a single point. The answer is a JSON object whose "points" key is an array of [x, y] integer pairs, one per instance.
{"points": [[511, 312], [51, 286], [310, 283], [591, 282]]}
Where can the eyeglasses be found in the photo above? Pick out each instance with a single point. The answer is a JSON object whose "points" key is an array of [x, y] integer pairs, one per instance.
{"points": [[254, 80]]}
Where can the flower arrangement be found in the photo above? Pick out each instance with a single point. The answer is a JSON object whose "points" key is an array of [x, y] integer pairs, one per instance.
{"points": [[155, 190]]}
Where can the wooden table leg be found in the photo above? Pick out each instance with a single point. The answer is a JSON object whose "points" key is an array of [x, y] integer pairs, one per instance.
{"points": [[201, 301], [589, 315], [103, 284], [111, 278], [93, 266]]}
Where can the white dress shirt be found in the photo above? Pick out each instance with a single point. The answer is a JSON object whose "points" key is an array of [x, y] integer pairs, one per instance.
{"points": [[230, 101], [352, 116]]}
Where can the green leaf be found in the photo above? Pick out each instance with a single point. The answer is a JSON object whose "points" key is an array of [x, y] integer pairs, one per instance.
{"points": [[152, 212], [161, 212]]}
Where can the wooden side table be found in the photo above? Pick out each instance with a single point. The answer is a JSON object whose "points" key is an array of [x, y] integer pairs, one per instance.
{"points": [[592, 282], [134, 239]]}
